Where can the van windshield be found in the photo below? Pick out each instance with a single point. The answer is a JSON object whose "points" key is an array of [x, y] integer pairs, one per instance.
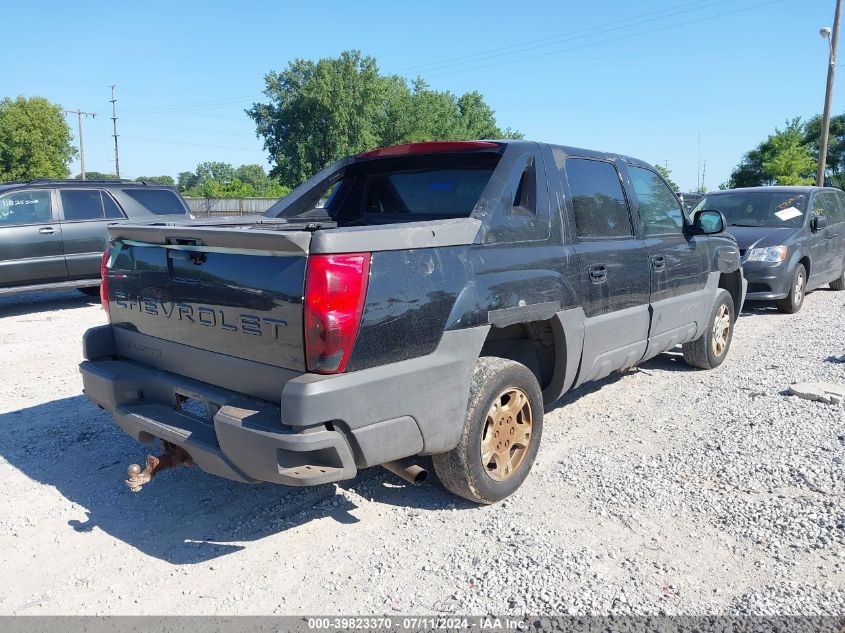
{"points": [[757, 208], [397, 189]]}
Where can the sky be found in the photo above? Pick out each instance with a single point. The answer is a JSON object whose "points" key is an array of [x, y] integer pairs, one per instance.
{"points": [[641, 78]]}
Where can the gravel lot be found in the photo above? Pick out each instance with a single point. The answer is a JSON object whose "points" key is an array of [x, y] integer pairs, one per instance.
{"points": [[661, 490]]}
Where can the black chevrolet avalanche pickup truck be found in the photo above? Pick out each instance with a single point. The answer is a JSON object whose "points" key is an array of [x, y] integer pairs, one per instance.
{"points": [[422, 299]]}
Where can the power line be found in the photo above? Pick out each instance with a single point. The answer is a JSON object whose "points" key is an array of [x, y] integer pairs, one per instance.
{"points": [[211, 104], [625, 23], [79, 113], [187, 127], [607, 41], [636, 20], [172, 142]]}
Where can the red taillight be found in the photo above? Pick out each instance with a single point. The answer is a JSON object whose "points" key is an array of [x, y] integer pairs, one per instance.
{"points": [[429, 147], [335, 289], [104, 278]]}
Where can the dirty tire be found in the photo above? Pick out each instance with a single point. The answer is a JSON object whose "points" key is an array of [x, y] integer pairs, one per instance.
{"points": [[797, 291], [839, 282], [710, 349], [461, 470]]}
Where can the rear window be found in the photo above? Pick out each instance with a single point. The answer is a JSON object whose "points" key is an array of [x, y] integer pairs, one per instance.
{"points": [[158, 201], [398, 189]]}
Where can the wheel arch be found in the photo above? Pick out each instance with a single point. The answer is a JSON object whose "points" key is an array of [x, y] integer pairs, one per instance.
{"points": [[551, 348], [732, 282]]}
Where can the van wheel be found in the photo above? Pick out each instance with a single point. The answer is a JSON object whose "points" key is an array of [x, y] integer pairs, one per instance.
{"points": [[839, 282], [710, 349], [501, 433], [797, 291]]}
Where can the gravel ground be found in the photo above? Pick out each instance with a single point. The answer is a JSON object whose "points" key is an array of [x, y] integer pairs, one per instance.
{"points": [[659, 491]]}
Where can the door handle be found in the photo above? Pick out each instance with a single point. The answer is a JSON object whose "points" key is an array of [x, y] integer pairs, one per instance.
{"points": [[598, 273], [658, 262], [46, 230], [830, 236]]}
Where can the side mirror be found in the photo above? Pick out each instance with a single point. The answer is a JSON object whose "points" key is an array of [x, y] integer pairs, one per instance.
{"points": [[820, 222], [707, 222]]}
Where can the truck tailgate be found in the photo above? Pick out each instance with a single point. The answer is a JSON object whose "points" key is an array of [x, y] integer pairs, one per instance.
{"points": [[237, 295]]}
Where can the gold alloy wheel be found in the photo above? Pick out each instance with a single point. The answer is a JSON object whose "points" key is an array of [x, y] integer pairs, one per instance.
{"points": [[506, 434], [721, 330]]}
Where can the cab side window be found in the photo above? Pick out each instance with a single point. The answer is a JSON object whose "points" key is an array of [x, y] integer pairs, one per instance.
{"points": [[660, 209], [601, 210], [25, 207]]}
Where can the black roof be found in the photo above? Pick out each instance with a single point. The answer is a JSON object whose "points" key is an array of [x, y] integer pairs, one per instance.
{"points": [[52, 182], [773, 188]]}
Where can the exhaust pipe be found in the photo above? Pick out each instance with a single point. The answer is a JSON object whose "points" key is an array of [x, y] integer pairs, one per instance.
{"points": [[413, 474]]}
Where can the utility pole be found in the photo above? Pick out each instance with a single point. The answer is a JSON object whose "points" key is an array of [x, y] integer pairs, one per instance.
{"points": [[114, 127], [80, 114], [831, 67], [703, 174], [698, 169]]}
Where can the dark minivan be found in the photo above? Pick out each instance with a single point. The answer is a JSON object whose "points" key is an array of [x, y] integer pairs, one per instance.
{"points": [[792, 239], [53, 232]]}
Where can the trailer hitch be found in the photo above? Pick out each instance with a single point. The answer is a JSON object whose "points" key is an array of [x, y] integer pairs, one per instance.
{"points": [[171, 457]]}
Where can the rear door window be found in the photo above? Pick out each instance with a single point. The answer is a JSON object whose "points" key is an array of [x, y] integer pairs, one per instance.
{"points": [[26, 207], [157, 201], [598, 200], [79, 205], [82, 204]]}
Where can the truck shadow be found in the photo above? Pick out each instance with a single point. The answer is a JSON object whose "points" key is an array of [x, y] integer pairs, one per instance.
{"points": [[33, 303], [186, 516], [183, 516]]}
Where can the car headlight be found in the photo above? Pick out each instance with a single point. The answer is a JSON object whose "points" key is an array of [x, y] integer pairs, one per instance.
{"points": [[770, 254]]}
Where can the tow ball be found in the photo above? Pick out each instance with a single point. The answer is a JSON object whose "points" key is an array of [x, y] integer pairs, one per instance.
{"points": [[171, 457]]}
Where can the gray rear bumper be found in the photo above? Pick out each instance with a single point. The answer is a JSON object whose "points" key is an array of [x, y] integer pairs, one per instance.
{"points": [[325, 429]]}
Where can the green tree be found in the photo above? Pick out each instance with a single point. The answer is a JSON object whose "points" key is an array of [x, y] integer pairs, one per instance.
{"points": [[835, 162], [320, 111], [96, 175], [215, 170], [783, 158], [665, 172], [186, 180], [159, 180], [790, 161], [35, 140], [257, 178], [750, 171], [223, 180]]}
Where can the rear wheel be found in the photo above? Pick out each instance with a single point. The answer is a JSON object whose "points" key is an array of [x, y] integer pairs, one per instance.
{"points": [[501, 433], [795, 299], [710, 349]]}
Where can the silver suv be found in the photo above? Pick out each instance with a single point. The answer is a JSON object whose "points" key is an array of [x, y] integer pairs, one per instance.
{"points": [[53, 232]]}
